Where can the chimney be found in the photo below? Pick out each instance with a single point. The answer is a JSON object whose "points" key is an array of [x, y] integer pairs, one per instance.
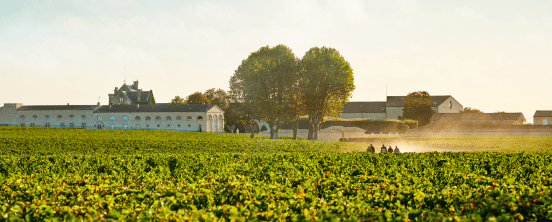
{"points": [[139, 95], [67, 103], [98, 103], [116, 89], [135, 85]]}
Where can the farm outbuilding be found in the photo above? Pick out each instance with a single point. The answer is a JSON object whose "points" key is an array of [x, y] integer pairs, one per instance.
{"points": [[542, 117]]}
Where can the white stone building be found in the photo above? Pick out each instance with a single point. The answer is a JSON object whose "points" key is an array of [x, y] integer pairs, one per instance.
{"points": [[196, 117], [393, 108]]}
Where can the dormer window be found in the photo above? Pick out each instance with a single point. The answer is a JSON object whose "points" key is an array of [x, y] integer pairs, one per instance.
{"points": [[34, 117], [168, 118], [200, 117], [59, 117], [71, 117], [22, 117], [450, 104], [83, 117], [121, 100], [157, 118]]}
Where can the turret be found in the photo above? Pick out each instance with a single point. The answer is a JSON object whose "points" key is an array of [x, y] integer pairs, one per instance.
{"points": [[135, 85]]}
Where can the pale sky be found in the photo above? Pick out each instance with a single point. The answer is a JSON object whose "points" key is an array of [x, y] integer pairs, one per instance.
{"points": [[490, 55]]}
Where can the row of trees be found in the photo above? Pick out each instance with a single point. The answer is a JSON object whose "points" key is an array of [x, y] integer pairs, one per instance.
{"points": [[211, 96], [275, 86]]}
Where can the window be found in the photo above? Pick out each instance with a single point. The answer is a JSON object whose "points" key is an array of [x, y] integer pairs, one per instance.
{"points": [[47, 125], [147, 125], [168, 125], [121, 100], [157, 118], [178, 125], [199, 117], [83, 117], [168, 118], [189, 117], [99, 117], [71, 125], [22, 124], [112, 126], [34, 116], [59, 117], [148, 118], [157, 125], [189, 125], [47, 116], [32, 124], [545, 122], [124, 126], [112, 117], [125, 117], [450, 104], [71, 117], [137, 118], [178, 118], [62, 124], [83, 125], [22, 117]]}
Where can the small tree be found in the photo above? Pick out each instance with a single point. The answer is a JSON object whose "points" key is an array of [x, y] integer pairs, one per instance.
{"points": [[178, 101], [217, 97], [417, 107], [470, 110], [197, 98]]}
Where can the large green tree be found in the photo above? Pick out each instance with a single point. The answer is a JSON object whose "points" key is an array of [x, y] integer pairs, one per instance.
{"points": [[178, 101], [417, 107], [217, 97], [326, 85], [197, 98], [264, 83]]}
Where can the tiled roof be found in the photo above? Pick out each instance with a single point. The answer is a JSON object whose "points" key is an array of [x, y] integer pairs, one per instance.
{"points": [[452, 127], [398, 101], [57, 107], [543, 113], [154, 108], [364, 107], [133, 96], [477, 117]]}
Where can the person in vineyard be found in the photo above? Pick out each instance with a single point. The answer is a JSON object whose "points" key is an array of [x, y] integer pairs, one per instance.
{"points": [[370, 149], [383, 149], [396, 150], [390, 149]]}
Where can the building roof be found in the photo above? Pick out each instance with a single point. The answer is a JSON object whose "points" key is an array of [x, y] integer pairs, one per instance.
{"points": [[543, 113], [57, 107], [154, 108], [477, 117], [133, 96], [364, 107], [398, 101]]}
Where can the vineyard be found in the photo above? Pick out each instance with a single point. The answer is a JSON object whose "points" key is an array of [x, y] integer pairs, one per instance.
{"points": [[73, 174]]}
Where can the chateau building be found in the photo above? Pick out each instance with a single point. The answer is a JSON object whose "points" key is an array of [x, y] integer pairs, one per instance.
{"points": [[393, 107], [129, 108]]}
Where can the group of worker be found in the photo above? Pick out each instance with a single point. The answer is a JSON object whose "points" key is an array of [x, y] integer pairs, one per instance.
{"points": [[384, 149]]}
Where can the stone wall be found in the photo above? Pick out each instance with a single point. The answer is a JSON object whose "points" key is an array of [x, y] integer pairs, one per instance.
{"points": [[540, 120]]}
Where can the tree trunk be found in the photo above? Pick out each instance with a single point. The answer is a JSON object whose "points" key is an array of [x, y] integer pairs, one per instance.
{"points": [[316, 129], [295, 127], [231, 128], [311, 128], [252, 130], [276, 129]]}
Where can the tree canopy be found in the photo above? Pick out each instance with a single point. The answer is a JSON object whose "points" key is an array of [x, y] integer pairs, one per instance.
{"points": [[264, 84], [217, 97], [178, 101], [417, 107], [326, 85], [197, 98]]}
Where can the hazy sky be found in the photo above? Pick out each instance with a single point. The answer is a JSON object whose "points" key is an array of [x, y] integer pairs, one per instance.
{"points": [[490, 55]]}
